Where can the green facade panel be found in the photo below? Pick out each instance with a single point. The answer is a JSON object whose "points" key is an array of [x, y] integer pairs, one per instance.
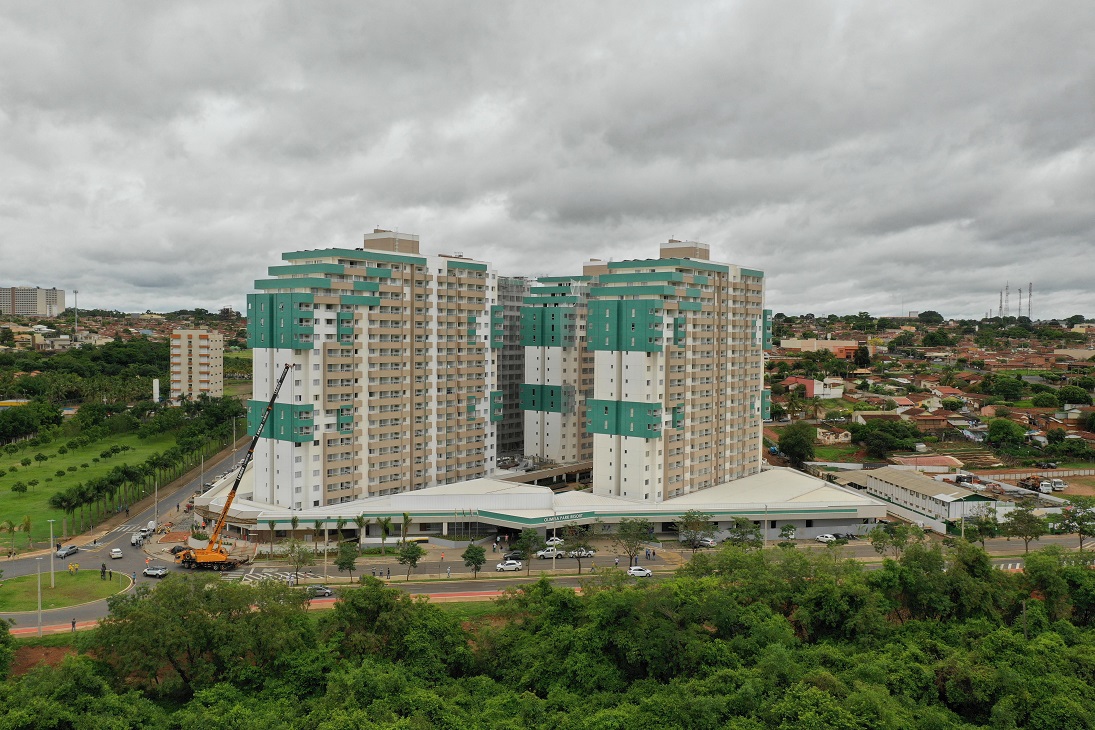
{"points": [[294, 269], [766, 332], [378, 272], [752, 272], [639, 277], [497, 326], [352, 254], [680, 330], [277, 321], [546, 398], [287, 422], [546, 327], [690, 306], [624, 418], [629, 326], [366, 286], [661, 263], [466, 265], [303, 282], [766, 404], [638, 290], [497, 412]]}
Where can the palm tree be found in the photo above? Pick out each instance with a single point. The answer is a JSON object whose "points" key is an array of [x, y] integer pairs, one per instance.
{"points": [[272, 525], [406, 525], [26, 529], [9, 526], [361, 521], [339, 524], [295, 522], [385, 530], [317, 527]]}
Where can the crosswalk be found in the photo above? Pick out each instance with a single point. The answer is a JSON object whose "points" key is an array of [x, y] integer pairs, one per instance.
{"points": [[259, 575], [127, 528]]}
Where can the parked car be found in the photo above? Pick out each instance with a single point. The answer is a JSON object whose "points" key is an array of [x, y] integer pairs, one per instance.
{"points": [[509, 565], [67, 550], [155, 571], [317, 591], [707, 542], [135, 540], [1046, 464], [514, 555], [826, 538], [554, 541], [551, 552], [639, 572], [115, 553], [581, 553]]}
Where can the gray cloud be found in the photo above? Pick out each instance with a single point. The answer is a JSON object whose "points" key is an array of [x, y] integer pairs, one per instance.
{"points": [[866, 157]]}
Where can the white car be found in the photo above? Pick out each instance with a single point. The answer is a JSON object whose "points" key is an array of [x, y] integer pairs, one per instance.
{"points": [[639, 572], [708, 542], [825, 538], [582, 553], [115, 553], [554, 541], [509, 565]]}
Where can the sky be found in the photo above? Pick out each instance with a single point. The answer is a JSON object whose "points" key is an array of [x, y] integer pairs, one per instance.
{"points": [[880, 157]]}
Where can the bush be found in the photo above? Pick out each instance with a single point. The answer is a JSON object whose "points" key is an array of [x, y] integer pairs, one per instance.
{"points": [[59, 473], [72, 468], [19, 487]]}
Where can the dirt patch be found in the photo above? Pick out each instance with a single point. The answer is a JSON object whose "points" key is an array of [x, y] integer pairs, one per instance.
{"points": [[28, 657], [1080, 486], [174, 537]]}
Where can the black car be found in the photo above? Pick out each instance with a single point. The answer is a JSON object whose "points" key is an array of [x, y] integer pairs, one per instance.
{"points": [[514, 555]]}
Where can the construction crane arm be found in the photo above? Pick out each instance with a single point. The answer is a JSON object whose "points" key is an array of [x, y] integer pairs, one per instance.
{"points": [[214, 539]]}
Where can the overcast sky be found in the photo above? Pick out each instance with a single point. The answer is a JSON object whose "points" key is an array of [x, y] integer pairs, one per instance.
{"points": [[866, 156]]}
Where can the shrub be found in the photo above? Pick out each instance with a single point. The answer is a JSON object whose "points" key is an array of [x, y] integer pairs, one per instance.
{"points": [[72, 468], [59, 473], [19, 487]]}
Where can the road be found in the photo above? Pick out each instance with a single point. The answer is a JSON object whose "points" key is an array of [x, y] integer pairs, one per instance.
{"points": [[95, 554]]}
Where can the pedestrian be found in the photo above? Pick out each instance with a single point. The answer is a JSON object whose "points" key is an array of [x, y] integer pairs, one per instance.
{"points": [[110, 573], [494, 547], [389, 573], [127, 512], [177, 506], [74, 626], [134, 577], [648, 553], [448, 572], [617, 562], [374, 572], [654, 554]]}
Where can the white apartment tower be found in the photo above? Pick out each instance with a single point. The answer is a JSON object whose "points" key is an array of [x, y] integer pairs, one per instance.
{"points": [[31, 301], [678, 393], [393, 386], [197, 364]]}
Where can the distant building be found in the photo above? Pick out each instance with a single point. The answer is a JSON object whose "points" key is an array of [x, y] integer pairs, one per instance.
{"points": [[512, 291], [31, 301], [197, 364]]}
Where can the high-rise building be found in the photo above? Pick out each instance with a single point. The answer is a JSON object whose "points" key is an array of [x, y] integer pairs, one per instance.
{"points": [[394, 382], [678, 391], [558, 370], [31, 301], [197, 364], [512, 291]]}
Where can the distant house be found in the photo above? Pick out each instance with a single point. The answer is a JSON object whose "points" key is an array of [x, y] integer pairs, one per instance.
{"points": [[828, 389], [833, 435]]}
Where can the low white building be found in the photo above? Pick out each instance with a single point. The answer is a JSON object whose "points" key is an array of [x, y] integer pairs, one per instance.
{"points": [[927, 501]]}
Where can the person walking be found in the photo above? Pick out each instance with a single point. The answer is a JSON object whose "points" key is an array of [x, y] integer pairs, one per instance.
{"points": [[617, 562], [448, 572], [389, 573], [74, 626]]}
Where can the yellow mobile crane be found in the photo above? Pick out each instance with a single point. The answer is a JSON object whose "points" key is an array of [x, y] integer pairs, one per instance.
{"points": [[214, 555]]}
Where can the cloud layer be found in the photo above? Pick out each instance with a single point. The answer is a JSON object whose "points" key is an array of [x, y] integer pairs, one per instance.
{"points": [[867, 157]]}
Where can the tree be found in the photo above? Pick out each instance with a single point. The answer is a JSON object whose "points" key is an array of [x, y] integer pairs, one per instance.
{"points": [[894, 537], [385, 524], [777, 412], [339, 524], [25, 527], [273, 526], [475, 557], [744, 533], [787, 535], [317, 530], [1056, 435], [797, 443], [405, 526], [982, 524], [295, 523], [1010, 389], [528, 542], [1044, 400], [362, 522], [346, 558], [409, 554], [299, 556], [1074, 395], [1003, 432], [1079, 517], [1021, 522], [692, 527], [9, 526], [578, 538], [930, 316], [862, 357], [631, 535]]}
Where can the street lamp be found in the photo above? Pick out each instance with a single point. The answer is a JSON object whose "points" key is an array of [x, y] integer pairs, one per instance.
{"points": [[38, 563], [51, 551]]}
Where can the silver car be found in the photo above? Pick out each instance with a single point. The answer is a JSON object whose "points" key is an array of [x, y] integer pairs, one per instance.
{"points": [[509, 565]]}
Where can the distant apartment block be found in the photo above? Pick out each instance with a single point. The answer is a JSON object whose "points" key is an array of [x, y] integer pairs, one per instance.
{"points": [[197, 364], [31, 301], [512, 291]]}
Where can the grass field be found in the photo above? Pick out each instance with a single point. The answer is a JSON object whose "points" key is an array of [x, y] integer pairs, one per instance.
{"points": [[34, 502], [836, 453], [241, 355], [21, 594]]}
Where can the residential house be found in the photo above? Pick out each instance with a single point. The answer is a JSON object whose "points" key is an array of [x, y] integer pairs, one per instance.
{"points": [[830, 435]]}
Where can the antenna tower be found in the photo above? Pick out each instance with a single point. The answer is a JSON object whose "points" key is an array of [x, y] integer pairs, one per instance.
{"points": [[1030, 293], [1007, 299], [1020, 302], [1000, 309]]}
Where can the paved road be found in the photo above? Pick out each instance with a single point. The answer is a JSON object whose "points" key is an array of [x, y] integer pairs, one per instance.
{"points": [[94, 555]]}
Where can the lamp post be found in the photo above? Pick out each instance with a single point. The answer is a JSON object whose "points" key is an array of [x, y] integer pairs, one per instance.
{"points": [[156, 504], [764, 532], [51, 552], [38, 563]]}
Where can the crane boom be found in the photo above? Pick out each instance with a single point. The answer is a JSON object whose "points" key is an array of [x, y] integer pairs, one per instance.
{"points": [[214, 555]]}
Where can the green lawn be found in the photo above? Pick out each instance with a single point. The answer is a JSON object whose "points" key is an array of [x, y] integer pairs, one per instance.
{"points": [[21, 594], [835, 453], [241, 355], [466, 611], [34, 502]]}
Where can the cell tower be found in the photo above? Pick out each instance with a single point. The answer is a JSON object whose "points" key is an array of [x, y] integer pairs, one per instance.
{"points": [[1020, 314], [1007, 299], [1030, 293], [1000, 309]]}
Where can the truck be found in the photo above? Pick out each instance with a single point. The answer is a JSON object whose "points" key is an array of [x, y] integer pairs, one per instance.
{"points": [[1036, 484], [1059, 485], [215, 556]]}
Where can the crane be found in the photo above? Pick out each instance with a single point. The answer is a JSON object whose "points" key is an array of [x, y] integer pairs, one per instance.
{"points": [[215, 556]]}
